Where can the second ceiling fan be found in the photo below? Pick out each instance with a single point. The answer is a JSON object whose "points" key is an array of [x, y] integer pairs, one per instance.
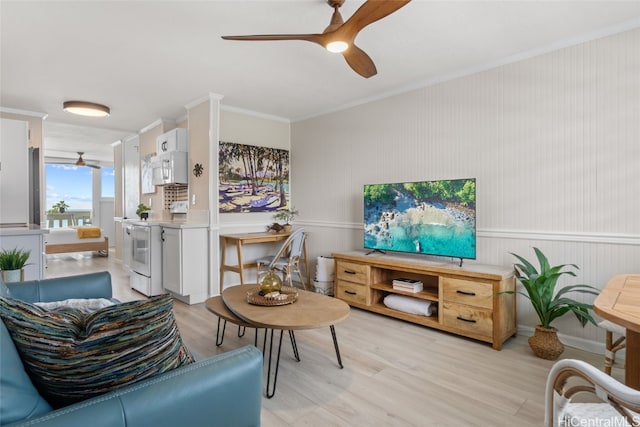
{"points": [[339, 36], [81, 162]]}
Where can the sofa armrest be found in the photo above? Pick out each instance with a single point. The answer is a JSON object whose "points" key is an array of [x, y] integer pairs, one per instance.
{"points": [[223, 390], [92, 285]]}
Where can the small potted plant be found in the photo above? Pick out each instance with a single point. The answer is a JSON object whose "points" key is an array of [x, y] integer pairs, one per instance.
{"points": [[12, 262], [549, 304], [61, 206], [143, 211], [286, 216]]}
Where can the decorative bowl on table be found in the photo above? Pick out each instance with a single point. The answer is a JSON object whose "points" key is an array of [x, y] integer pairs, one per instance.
{"points": [[286, 295]]}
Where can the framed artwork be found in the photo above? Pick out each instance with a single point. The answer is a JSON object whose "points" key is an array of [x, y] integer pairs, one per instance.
{"points": [[252, 178]]}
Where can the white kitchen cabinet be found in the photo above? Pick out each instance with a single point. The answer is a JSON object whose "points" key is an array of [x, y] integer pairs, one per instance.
{"points": [[185, 265], [14, 172], [28, 238]]}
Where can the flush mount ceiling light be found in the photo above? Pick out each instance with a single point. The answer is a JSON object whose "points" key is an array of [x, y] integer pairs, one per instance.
{"points": [[83, 108]]}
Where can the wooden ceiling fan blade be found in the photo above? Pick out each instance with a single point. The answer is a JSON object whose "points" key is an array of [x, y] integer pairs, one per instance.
{"points": [[369, 12], [314, 38], [359, 61]]}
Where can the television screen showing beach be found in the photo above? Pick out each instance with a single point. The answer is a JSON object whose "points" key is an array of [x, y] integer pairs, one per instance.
{"points": [[429, 217]]}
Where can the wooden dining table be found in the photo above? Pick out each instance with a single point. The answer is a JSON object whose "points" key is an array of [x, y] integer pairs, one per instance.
{"points": [[619, 302]]}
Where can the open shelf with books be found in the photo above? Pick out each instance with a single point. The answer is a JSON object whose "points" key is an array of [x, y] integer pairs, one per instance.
{"points": [[467, 301]]}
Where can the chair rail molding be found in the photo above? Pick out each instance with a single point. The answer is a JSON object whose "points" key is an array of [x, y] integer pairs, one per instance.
{"points": [[556, 236]]}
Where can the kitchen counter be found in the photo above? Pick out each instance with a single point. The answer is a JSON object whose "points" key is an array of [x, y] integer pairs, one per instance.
{"points": [[176, 223], [17, 230], [167, 223], [182, 224]]}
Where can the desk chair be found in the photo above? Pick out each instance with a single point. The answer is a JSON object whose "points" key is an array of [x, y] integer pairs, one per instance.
{"points": [[618, 406], [287, 259]]}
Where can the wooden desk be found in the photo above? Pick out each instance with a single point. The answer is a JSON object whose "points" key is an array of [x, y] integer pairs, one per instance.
{"points": [[241, 239], [619, 302]]}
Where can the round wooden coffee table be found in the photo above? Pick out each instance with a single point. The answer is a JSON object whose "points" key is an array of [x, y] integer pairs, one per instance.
{"points": [[309, 311], [217, 307]]}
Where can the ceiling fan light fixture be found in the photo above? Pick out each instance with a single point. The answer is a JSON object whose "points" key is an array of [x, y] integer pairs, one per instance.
{"points": [[337, 46], [88, 109]]}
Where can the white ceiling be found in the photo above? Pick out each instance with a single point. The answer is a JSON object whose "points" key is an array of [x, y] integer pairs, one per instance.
{"points": [[147, 59]]}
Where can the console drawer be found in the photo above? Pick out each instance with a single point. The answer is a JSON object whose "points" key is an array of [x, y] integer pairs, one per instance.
{"points": [[353, 292], [353, 272], [467, 318], [468, 292]]}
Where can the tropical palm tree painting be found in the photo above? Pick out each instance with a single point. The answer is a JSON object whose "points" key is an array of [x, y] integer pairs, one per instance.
{"points": [[253, 179]]}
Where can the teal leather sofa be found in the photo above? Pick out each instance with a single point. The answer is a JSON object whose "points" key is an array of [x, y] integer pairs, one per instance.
{"points": [[224, 390]]}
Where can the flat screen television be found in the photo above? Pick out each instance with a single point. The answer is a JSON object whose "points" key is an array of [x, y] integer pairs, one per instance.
{"points": [[427, 217]]}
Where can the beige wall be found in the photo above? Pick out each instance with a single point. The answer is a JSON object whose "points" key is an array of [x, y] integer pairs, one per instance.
{"points": [[199, 128], [552, 141], [251, 129]]}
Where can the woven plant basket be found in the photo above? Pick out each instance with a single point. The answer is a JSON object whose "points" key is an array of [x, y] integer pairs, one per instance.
{"points": [[545, 343]]}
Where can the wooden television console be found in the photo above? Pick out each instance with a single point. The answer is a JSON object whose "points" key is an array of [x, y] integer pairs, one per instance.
{"points": [[469, 298]]}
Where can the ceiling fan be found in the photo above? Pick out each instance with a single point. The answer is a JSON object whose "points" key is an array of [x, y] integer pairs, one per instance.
{"points": [[339, 36], [81, 162]]}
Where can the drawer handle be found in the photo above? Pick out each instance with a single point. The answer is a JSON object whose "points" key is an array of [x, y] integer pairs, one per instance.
{"points": [[466, 320], [471, 294], [349, 271], [350, 293]]}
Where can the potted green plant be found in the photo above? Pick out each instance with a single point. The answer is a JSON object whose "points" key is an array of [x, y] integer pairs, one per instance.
{"points": [[61, 206], [143, 211], [286, 216], [12, 262], [549, 304]]}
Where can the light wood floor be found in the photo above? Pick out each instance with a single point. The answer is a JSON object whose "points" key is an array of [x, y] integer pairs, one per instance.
{"points": [[395, 373]]}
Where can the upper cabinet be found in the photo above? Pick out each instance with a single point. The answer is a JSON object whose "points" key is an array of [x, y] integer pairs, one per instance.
{"points": [[14, 172], [170, 164], [175, 140]]}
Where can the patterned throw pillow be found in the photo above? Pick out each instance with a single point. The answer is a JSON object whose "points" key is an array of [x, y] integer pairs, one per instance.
{"points": [[71, 355]]}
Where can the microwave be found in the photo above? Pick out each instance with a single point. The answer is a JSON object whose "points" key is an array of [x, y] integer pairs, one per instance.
{"points": [[169, 168], [175, 140]]}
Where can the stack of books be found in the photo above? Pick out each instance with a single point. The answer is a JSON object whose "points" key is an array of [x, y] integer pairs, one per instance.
{"points": [[407, 285]]}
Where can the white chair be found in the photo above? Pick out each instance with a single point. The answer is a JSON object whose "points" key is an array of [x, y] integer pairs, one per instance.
{"points": [[616, 404], [611, 346], [287, 259]]}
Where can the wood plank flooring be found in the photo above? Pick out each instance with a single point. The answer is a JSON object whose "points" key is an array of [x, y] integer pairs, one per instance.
{"points": [[395, 373]]}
